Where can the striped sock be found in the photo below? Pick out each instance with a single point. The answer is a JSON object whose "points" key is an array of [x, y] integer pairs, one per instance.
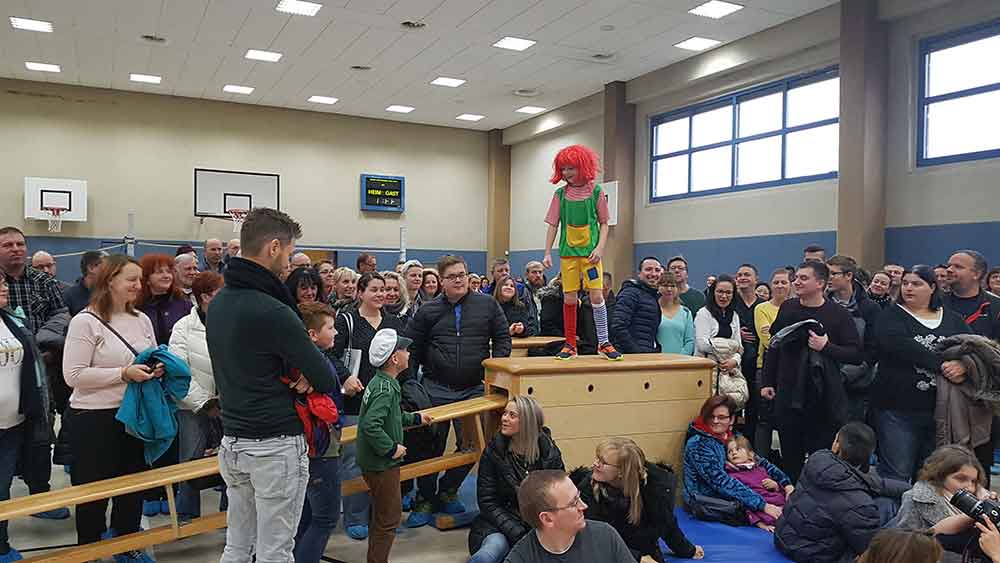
{"points": [[601, 321]]}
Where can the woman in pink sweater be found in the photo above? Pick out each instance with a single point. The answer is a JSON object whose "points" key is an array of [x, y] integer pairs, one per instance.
{"points": [[97, 365]]}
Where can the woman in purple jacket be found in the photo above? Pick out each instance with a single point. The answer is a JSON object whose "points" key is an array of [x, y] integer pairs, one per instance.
{"points": [[162, 301]]}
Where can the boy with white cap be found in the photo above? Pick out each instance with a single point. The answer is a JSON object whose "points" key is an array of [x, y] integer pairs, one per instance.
{"points": [[380, 439]]}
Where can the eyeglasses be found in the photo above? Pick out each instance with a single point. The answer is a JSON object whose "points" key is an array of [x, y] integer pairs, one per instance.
{"points": [[832, 273], [723, 292], [456, 277], [714, 418], [599, 462], [576, 503]]}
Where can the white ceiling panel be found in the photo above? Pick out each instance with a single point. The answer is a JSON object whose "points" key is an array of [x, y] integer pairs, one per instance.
{"points": [[98, 43]]}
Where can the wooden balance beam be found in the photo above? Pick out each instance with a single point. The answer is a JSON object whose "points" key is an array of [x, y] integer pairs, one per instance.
{"points": [[519, 346], [650, 398], [470, 411]]}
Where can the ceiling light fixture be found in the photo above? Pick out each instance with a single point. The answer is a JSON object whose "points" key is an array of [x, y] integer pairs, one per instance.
{"points": [[413, 25], [147, 78], [322, 100], [449, 82], [31, 25], [514, 43], [532, 110], [42, 67], [267, 56], [697, 44], [470, 117], [298, 7], [360, 67], [236, 89], [399, 109], [715, 9]]}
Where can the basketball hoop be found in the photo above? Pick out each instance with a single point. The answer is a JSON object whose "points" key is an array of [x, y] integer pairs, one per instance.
{"points": [[238, 215], [54, 217]]}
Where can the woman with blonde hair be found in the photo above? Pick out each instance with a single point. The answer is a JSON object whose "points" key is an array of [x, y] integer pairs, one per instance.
{"points": [[902, 546], [397, 299], [636, 498], [522, 445], [345, 289]]}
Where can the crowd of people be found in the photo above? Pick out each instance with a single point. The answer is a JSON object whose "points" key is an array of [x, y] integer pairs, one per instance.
{"points": [[844, 402]]}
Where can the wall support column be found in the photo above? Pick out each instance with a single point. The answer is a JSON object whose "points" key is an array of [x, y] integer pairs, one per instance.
{"points": [[497, 198], [863, 99], [619, 164]]}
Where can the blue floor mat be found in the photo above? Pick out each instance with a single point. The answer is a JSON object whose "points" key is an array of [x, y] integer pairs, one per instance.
{"points": [[727, 544]]}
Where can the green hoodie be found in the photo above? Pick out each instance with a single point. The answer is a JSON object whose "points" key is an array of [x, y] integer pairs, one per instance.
{"points": [[380, 427]]}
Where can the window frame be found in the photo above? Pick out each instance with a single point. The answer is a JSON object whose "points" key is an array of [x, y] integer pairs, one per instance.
{"points": [[928, 46], [732, 100]]}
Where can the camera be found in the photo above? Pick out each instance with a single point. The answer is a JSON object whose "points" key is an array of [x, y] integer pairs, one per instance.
{"points": [[975, 508]]}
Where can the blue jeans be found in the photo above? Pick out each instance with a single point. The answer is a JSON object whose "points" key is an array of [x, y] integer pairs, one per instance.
{"points": [[905, 440], [355, 506], [428, 487], [10, 446], [321, 511], [495, 547], [266, 482], [191, 442]]}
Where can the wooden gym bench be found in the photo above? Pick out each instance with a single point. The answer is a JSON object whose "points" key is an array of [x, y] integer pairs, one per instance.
{"points": [[477, 415]]}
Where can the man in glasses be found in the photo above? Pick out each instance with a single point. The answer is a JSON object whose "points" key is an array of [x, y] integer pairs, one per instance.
{"points": [[452, 335], [551, 503], [845, 290], [690, 297]]}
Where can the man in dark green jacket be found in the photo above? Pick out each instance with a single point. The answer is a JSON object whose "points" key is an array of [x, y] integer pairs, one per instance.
{"points": [[256, 337], [380, 438]]}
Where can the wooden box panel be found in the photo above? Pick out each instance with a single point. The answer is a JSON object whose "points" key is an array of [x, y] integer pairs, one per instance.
{"points": [[620, 387], [620, 419], [665, 447]]}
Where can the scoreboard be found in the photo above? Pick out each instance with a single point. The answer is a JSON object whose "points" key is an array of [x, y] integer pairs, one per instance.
{"points": [[382, 193]]}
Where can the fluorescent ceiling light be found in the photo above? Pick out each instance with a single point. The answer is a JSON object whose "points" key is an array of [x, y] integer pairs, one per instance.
{"points": [[322, 100], [514, 43], [31, 25], [147, 78], [445, 81], [298, 7], [697, 44], [269, 56], [530, 110], [236, 89], [42, 67], [715, 9], [470, 117], [399, 109]]}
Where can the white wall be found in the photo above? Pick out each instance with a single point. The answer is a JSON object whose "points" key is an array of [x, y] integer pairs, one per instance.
{"points": [[530, 170], [804, 44], [964, 192], [138, 151]]}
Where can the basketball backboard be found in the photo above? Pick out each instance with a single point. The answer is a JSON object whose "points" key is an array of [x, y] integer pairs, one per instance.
{"points": [[218, 191], [47, 193]]}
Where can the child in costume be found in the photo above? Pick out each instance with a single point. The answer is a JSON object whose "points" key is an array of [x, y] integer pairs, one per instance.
{"points": [[579, 212]]}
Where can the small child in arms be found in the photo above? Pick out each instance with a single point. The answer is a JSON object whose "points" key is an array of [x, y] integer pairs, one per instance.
{"points": [[761, 476]]}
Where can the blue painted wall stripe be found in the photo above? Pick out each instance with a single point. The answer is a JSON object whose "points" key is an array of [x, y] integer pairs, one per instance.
{"points": [[933, 244]]}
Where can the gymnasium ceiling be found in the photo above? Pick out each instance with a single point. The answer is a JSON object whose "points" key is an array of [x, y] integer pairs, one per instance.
{"points": [[99, 43]]}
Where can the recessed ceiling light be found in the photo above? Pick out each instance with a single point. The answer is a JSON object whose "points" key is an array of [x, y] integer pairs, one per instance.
{"points": [[408, 24], [530, 110], [399, 109], [715, 9], [445, 81], [147, 78], [470, 117], [360, 67], [697, 44], [322, 100], [607, 27], [514, 43], [42, 67], [31, 25], [236, 89], [268, 56], [298, 7]]}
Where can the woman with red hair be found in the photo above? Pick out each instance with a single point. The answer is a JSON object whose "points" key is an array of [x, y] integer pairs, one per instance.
{"points": [[579, 213], [162, 300]]}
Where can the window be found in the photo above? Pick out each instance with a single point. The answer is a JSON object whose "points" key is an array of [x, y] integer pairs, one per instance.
{"points": [[779, 133], [959, 96]]}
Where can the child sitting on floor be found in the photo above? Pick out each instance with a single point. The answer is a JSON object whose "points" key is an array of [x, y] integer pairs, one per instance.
{"points": [[775, 487]]}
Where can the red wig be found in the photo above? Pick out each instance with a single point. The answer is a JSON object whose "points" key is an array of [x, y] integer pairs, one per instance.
{"points": [[584, 159]]}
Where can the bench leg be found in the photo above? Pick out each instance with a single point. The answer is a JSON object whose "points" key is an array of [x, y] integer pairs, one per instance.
{"points": [[173, 510]]}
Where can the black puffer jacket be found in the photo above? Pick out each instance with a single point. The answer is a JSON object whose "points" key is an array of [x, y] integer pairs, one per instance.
{"points": [[451, 340], [832, 513], [636, 319], [657, 520], [497, 485]]}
